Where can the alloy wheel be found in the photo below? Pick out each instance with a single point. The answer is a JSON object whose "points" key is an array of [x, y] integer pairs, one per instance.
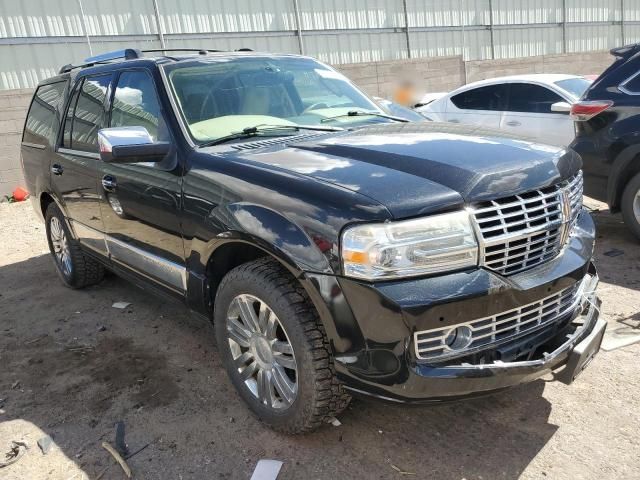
{"points": [[60, 245], [262, 352], [636, 206]]}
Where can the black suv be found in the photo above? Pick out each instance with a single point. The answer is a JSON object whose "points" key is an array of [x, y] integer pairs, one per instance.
{"points": [[607, 123], [337, 249]]}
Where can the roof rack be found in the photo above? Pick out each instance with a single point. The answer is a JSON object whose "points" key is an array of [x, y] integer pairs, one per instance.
{"points": [[132, 53], [127, 54], [201, 51]]}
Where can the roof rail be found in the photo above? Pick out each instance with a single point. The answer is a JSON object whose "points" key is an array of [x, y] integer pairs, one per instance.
{"points": [[201, 51], [127, 54]]}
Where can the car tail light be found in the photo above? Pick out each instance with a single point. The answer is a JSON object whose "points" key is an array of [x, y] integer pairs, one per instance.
{"points": [[583, 111]]}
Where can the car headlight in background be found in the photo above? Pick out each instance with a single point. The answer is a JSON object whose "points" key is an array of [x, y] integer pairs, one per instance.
{"points": [[408, 248]]}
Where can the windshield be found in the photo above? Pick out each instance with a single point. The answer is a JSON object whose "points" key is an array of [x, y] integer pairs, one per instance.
{"points": [[222, 96], [574, 86]]}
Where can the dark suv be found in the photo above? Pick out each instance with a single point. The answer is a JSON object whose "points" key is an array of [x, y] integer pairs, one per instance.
{"points": [[607, 123], [337, 249]]}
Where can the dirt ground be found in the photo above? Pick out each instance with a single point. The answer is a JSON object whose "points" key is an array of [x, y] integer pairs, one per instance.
{"points": [[71, 366]]}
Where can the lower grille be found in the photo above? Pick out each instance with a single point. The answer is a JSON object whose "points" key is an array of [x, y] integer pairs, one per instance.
{"points": [[441, 342]]}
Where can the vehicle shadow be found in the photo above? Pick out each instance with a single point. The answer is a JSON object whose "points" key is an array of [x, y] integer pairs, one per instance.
{"points": [[73, 366]]}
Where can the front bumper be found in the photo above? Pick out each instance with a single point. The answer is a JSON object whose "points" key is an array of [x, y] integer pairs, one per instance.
{"points": [[371, 327]]}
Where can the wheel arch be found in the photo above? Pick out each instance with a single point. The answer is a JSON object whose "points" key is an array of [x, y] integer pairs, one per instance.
{"points": [[625, 166]]}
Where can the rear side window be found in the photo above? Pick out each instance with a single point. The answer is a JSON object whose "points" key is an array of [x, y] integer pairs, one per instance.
{"points": [[43, 118], [135, 104], [631, 85], [491, 97], [87, 116], [526, 97]]}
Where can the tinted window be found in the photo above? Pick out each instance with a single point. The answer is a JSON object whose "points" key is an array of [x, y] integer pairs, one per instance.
{"points": [[525, 97], [491, 97], [575, 86], [632, 85], [88, 116], [68, 121], [135, 104], [43, 118]]}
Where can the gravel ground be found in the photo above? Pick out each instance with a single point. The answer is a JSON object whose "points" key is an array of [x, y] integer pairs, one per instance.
{"points": [[72, 366]]}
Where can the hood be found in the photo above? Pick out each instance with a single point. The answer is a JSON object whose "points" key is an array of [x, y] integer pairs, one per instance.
{"points": [[419, 168]]}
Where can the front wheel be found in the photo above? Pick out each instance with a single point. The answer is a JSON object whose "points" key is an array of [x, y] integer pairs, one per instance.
{"points": [[630, 205], [274, 348]]}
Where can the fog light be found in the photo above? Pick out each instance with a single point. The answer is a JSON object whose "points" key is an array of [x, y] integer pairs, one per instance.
{"points": [[459, 338]]}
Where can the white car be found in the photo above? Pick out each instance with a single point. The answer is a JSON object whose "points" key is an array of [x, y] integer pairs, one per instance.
{"points": [[535, 106]]}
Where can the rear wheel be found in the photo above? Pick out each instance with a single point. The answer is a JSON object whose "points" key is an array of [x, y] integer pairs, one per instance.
{"points": [[75, 268], [630, 205], [274, 348]]}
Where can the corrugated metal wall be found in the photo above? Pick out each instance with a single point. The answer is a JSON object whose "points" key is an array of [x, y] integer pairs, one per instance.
{"points": [[39, 36]]}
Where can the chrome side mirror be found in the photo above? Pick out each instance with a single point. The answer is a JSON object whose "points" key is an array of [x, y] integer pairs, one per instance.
{"points": [[130, 145], [561, 107]]}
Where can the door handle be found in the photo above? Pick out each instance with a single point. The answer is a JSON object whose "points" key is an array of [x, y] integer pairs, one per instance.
{"points": [[57, 169], [513, 123], [454, 120], [109, 183]]}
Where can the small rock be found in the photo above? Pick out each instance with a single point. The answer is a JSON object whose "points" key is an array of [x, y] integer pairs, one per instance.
{"points": [[102, 328], [45, 444], [15, 385], [121, 305]]}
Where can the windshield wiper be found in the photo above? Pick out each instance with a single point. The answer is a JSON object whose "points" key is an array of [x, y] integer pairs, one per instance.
{"points": [[258, 129], [358, 113]]}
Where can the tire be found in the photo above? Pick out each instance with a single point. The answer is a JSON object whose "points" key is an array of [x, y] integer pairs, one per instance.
{"points": [[290, 340], [74, 267], [630, 205]]}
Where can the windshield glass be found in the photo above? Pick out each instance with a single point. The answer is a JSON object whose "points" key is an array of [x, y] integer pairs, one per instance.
{"points": [[222, 96], [574, 86]]}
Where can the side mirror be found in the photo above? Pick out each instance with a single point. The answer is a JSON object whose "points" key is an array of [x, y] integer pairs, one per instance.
{"points": [[561, 107], [130, 145]]}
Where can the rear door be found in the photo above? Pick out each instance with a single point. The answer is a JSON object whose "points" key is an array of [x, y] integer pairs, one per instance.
{"points": [[40, 133], [74, 167], [141, 202], [528, 113], [479, 106]]}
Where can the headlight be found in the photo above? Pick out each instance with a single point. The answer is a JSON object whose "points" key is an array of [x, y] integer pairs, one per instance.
{"points": [[410, 247]]}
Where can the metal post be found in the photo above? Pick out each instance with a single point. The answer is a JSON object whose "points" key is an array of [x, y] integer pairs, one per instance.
{"points": [[564, 26], [406, 27], [84, 28], [296, 9], [493, 45], [622, 32], [156, 11]]}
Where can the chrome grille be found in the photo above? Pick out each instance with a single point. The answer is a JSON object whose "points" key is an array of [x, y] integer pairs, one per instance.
{"points": [[432, 344], [525, 230]]}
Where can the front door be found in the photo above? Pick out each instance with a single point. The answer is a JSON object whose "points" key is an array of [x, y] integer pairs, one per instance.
{"points": [[141, 202], [75, 163], [529, 114]]}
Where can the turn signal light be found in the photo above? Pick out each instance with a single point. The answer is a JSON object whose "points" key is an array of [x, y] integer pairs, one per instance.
{"points": [[584, 111]]}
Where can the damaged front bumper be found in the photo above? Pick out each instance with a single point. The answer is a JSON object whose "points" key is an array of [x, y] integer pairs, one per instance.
{"points": [[374, 329]]}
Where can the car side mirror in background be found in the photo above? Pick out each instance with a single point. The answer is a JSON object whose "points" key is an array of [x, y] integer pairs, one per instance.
{"points": [[561, 107], [130, 145]]}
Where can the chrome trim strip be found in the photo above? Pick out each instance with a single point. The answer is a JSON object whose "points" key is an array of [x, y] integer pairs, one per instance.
{"points": [[624, 89], [148, 263], [34, 145], [78, 153]]}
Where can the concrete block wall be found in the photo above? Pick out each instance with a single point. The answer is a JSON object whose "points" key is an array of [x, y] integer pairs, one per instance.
{"points": [[438, 74], [376, 78], [13, 110], [590, 63]]}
